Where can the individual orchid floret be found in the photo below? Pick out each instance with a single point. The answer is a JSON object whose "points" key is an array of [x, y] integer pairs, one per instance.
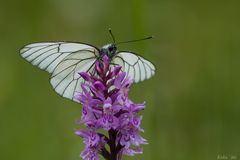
{"points": [[93, 144]]}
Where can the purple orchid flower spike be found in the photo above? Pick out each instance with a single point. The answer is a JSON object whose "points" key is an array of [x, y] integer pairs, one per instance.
{"points": [[106, 106]]}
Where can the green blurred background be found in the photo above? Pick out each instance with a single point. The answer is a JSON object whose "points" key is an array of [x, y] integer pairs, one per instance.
{"points": [[193, 101]]}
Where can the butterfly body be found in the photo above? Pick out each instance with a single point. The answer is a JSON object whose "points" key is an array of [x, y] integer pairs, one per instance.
{"points": [[109, 49], [64, 60]]}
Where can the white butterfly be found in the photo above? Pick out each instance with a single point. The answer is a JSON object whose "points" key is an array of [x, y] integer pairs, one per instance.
{"points": [[64, 60]]}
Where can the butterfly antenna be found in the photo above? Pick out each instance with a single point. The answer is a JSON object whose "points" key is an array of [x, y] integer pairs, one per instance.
{"points": [[113, 38], [142, 39]]}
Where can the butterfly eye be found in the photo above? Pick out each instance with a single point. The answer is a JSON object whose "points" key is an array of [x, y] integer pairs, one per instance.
{"points": [[110, 48]]}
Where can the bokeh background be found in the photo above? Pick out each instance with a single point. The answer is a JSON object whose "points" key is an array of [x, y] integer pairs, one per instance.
{"points": [[193, 101]]}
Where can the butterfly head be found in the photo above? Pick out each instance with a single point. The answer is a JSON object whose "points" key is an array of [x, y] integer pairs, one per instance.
{"points": [[109, 50]]}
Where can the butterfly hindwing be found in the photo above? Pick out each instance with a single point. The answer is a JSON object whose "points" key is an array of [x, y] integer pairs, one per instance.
{"points": [[136, 67], [66, 79]]}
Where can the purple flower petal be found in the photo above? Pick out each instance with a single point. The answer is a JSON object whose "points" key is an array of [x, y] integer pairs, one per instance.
{"points": [[85, 76], [131, 152], [99, 86]]}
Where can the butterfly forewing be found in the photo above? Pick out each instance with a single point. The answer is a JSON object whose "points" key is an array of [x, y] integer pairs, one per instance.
{"points": [[49, 54], [136, 67]]}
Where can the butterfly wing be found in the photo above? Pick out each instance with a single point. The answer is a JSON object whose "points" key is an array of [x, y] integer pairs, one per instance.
{"points": [[65, 79], [136, 67], [64, 61], [48, 55]]}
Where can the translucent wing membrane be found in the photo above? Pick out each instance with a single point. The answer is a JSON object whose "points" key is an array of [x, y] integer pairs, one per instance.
{"points": [[64, 61], [48, 55], [136, 67]]}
